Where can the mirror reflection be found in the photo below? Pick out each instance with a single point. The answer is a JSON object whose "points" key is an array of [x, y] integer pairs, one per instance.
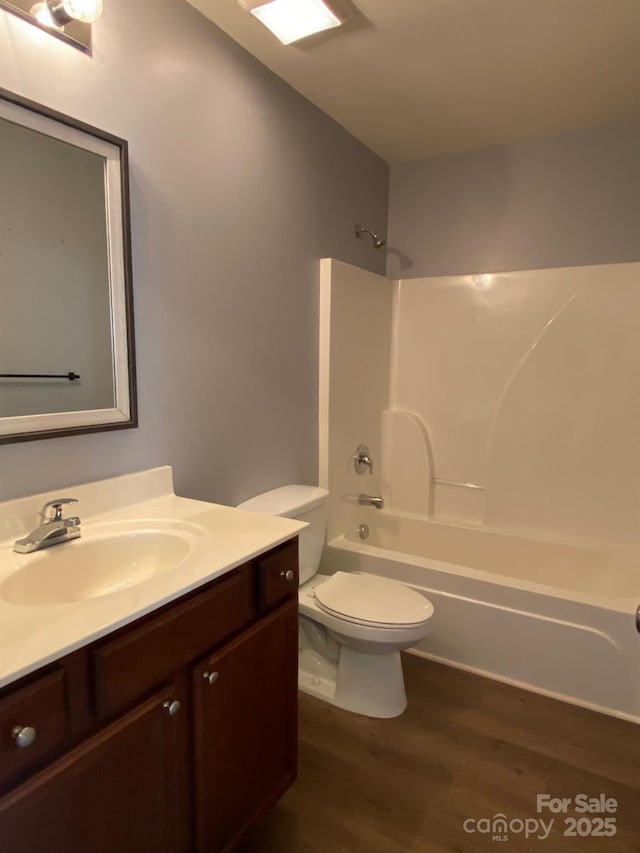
{"points": [[65, 331], [56, 313]]}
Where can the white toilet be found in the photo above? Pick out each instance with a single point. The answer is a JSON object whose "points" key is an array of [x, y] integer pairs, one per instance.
{"points": [[352, 626]]}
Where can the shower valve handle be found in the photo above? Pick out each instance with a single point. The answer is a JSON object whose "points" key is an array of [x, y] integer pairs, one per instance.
{"points": [[362, 461]]}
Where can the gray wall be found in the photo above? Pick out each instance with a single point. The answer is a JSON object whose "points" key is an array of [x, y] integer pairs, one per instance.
{"points": [[568, 200], [239, 185]]}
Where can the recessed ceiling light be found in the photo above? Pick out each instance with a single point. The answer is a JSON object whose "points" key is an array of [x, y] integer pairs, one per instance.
{"points": [[292, 20]]}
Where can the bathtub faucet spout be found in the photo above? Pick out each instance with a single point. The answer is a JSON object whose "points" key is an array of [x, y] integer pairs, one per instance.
{"points": [[371, 500]]}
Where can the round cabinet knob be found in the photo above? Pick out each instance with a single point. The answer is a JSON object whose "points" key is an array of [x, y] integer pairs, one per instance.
{"points": [[210, 677], [171, 707], [24, 736], [289, 575]]}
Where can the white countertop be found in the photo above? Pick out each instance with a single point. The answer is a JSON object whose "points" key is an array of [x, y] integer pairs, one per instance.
{"points": [[32, 636]]}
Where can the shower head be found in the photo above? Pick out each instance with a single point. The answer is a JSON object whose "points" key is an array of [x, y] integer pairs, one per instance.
{"points": [[377, 242]]}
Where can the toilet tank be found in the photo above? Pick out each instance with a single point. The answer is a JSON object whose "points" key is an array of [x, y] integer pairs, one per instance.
{"points": [[304, 503]]}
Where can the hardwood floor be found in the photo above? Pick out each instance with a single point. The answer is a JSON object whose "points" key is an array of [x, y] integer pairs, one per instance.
{"points": [[466, 748]]}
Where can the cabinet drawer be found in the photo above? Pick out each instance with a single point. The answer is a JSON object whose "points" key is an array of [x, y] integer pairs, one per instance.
{"points": [[278, 575], [142, 657], [39, 706]]}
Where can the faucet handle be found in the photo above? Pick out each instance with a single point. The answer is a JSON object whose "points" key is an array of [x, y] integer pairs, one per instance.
{"points": [[56, 504], [362, 460]]}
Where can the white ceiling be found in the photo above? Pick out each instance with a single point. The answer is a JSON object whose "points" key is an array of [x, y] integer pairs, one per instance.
{"points": [[418, 78]]}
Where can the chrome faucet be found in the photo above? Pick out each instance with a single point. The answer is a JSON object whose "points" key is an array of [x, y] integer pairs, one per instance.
{"points": [[54, 528], [371, 500]]}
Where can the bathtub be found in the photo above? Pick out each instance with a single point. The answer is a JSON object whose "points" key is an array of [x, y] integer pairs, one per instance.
{"points": [[553, 618]]}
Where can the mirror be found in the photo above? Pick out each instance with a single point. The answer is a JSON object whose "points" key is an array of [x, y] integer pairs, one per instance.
{"points": [[66, 325]]}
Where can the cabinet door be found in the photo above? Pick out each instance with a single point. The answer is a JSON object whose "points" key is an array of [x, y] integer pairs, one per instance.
{"points": [[118, 791], [245, 706]]}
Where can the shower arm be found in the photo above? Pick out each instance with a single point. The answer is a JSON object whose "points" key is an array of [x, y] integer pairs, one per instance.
{"points": [[377, 242]]}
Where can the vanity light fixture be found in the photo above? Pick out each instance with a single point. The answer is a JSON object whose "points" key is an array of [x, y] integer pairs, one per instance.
{"points": [[65, 11], [69, 20], [42, 13], [293, 20]]}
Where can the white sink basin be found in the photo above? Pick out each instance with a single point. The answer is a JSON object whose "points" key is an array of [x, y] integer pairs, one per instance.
{"points": [[108, 559]]}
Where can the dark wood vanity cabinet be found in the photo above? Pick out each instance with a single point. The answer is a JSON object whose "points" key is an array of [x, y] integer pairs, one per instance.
{"points": [[172, 735], [245, 728], [117, 791]]}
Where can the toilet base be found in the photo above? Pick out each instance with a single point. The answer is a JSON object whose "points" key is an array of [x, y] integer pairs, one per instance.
{"points": [[367, 684]]}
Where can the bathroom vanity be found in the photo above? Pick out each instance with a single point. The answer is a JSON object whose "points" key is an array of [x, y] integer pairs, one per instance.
{"points": [[172, 732]]}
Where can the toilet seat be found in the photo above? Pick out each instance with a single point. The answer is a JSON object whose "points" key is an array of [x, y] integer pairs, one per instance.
{"points": [[373, 601]]}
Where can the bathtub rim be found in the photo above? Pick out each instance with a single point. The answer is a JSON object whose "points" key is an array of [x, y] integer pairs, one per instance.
{"points": [[601, 545], [627, 605]]}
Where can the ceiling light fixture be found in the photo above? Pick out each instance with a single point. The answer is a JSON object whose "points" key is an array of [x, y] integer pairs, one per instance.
{"points": [[293, 20]]}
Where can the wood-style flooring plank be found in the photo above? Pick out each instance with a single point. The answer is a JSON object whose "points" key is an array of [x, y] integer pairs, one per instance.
{"points": [[467, 747], [570, 733]]}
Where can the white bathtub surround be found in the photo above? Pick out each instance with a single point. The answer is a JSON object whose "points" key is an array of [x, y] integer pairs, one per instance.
{"points": [[507, 400], [355, 350], [407, 463], [526, 383], [503, 431]]}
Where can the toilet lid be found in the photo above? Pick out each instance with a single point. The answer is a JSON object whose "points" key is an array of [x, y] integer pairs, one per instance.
{"points": [[367, 598]]}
